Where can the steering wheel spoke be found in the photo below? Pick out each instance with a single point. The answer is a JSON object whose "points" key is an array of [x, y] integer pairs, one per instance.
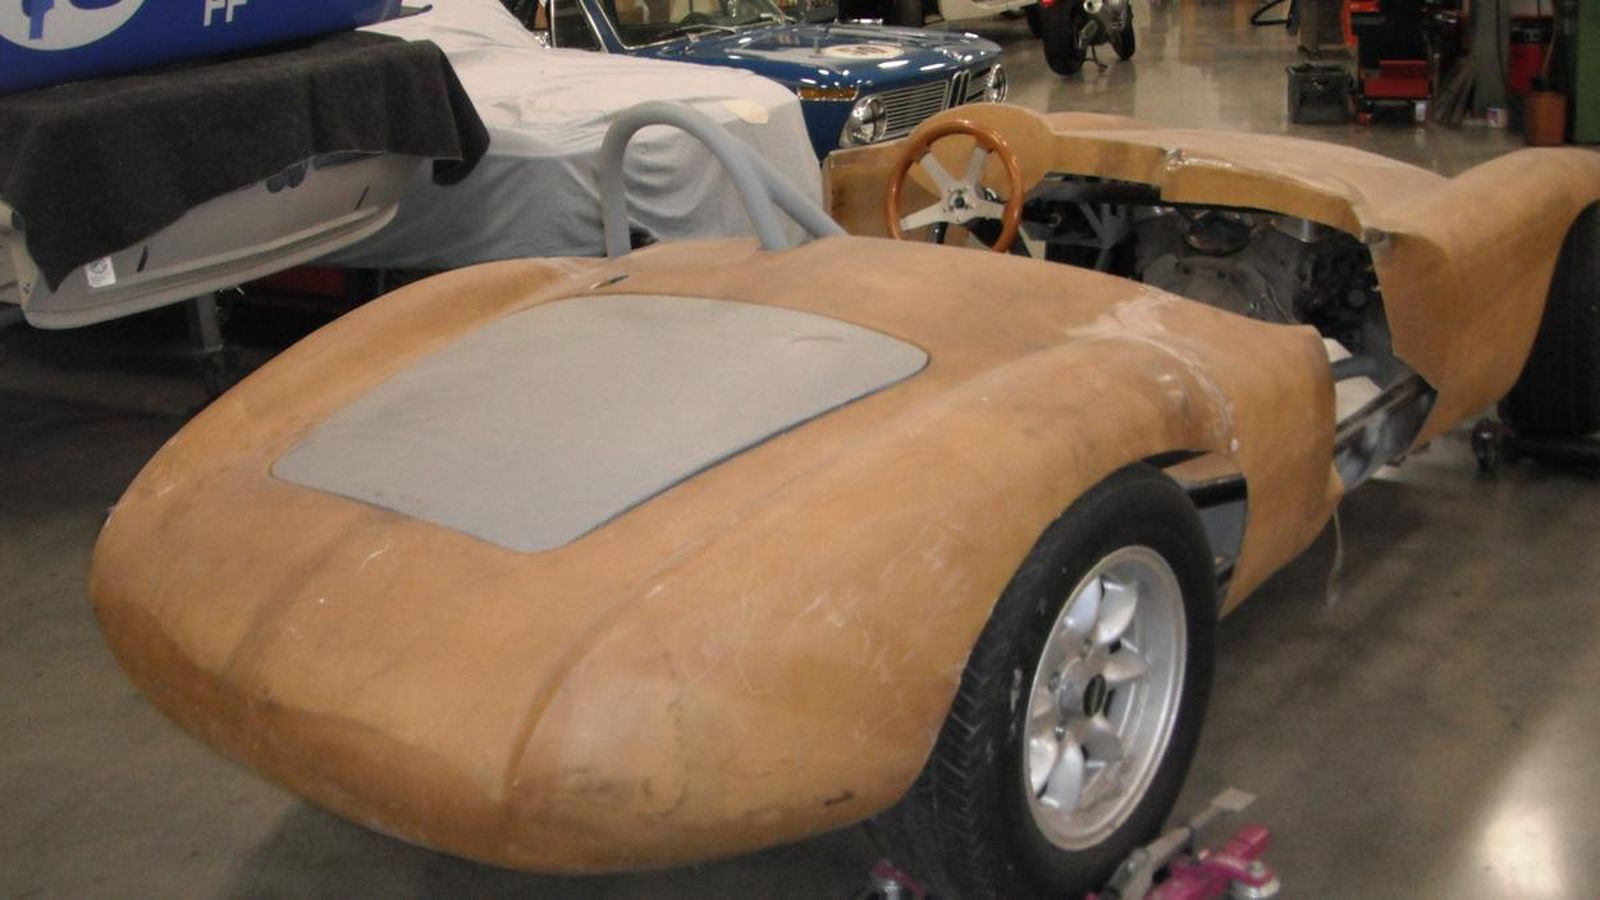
{"points": [[959, 201], [988, 209], [922, 218], [976, 165], [935, 170]]}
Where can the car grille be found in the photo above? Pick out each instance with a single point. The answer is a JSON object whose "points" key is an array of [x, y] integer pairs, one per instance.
{"points": [[970, 86], [906, 107]]}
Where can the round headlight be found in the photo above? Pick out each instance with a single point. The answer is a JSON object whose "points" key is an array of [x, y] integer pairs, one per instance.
{"points": [[995, 90], [866, 124]]}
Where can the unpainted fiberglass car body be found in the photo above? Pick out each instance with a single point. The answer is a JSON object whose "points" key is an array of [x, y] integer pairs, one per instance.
{"points": [[581, 565]]}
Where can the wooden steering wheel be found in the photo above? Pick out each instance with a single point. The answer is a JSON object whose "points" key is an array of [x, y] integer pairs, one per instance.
{"points": [[963, 200]]}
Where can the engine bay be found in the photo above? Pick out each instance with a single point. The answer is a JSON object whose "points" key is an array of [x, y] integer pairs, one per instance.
{"points": [[1255, 263]]}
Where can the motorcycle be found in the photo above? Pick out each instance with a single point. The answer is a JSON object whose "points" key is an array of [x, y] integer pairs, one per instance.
{"points": [[1070, 30]]}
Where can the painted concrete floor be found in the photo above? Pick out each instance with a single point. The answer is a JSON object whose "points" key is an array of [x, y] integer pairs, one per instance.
{"points": [[1428, 733]]}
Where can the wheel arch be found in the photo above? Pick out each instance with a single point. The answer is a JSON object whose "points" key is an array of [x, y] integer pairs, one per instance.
{"points": [[867, 650], [1463, 292]]}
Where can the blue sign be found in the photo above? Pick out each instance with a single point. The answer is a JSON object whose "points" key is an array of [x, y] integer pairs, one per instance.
{"points": [[45, 42]]}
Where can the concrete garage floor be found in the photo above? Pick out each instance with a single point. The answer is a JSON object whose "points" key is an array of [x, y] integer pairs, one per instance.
{"points": [[1429, 733]]}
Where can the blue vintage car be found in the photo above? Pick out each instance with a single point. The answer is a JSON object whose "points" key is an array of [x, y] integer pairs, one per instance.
{"points": [[858, 84]]}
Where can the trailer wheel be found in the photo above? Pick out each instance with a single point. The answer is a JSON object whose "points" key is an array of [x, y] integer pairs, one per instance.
{"points": [[1060, 24], [1124, 42]]}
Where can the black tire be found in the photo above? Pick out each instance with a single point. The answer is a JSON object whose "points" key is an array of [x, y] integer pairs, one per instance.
{"points": [[908, 13], [1059, 24], [1558, 393], [1035, 16], [855, 10], [965, 827], [1124, 42]]}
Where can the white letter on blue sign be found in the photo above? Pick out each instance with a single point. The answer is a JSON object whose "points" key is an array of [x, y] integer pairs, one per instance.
{"points": [[227, 7]]}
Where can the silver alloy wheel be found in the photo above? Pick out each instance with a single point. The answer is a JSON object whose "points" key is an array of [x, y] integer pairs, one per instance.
{"points": [[1104, 698]]}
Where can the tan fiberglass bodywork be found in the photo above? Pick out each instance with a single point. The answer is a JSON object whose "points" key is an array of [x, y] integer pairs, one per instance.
{"points": [[1463, 263], [764, 651]]}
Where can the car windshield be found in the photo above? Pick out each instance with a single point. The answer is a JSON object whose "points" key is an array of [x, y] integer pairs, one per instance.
{"points": [[652, 21]]}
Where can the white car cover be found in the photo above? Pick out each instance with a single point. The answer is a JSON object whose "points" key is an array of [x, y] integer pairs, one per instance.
{"points": [[536, 193]]}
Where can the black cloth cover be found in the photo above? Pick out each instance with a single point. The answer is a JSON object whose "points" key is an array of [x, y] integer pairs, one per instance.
{"points": [[95, 166]]}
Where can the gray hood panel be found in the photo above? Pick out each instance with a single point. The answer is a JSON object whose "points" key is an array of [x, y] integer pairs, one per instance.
{"points": [[539, 428]]}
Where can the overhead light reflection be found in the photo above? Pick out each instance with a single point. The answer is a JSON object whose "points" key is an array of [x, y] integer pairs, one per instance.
{"points": [[1522, 849]]}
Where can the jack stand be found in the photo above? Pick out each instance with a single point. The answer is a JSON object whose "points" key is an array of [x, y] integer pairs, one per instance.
{"points": [[1236, 870], [889, 883], [219, 367]]}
